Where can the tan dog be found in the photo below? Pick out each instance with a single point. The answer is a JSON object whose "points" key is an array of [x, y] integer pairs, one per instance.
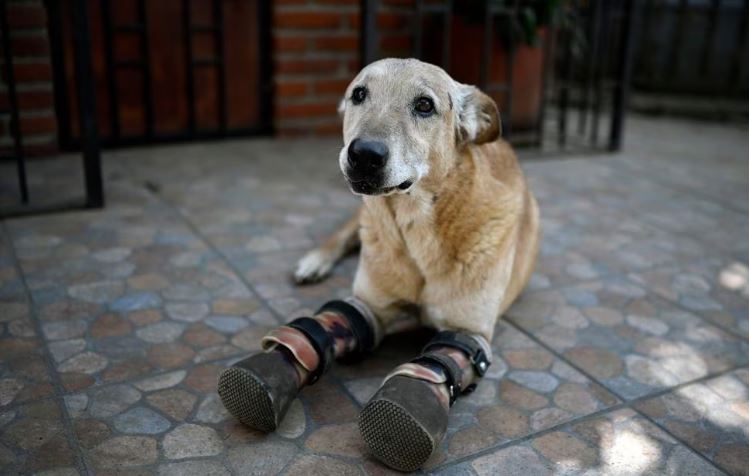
{"points": [[448, 224], [448, 228]]}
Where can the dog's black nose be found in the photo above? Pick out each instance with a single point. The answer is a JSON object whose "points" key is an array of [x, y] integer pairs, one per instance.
{"points": [[366, 155]]}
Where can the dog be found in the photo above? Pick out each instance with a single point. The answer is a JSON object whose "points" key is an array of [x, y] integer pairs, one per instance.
{"points": [[449, 234], [447, 222]]}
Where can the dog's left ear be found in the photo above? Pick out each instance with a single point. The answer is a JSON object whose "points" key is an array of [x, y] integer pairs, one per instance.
{"points": [[478, 116]]}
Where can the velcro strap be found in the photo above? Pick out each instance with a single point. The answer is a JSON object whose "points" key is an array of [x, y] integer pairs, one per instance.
{"points": [[452, 372], [465, 343], [365, 338], [320, 340]]}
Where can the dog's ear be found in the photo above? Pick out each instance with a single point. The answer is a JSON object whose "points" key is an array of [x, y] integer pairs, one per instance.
{"points": [[478, 116]]}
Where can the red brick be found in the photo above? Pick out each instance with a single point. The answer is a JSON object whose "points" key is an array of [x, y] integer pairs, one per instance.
{"points": [[27, 16], [392, 21], [329, 128], [30, 100], [291, 89], [307, 20], [297, 66], [337, 2], [331, 86], [36, 45], [26, 72], [38, 125], [337, 43], [306, 110], [396, 42], [285, 44]]}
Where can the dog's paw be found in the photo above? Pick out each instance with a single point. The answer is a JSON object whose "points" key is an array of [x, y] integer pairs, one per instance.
{"points": [[314, 266]]}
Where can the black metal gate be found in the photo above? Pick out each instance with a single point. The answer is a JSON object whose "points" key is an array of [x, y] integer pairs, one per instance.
{"points": [[93, 194], [172, 70], [587, 51]]}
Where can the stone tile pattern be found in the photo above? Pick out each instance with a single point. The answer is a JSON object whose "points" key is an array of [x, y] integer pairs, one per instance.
{"points": [[628, 353]]}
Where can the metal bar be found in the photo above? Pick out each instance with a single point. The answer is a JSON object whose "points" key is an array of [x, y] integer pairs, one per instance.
{"points": [[369, 41], [418, 28], [712, 30], [629, 32], [62, 100], [509, 67], [595, 33], [447, 34], [146, 72], [486, 47], [114, 104], [265, 46], [601, 72], [15, 125], [189, 60], [218, 20], [742, 44], [564, 90], [84, 75], [677, 39], [548, 62]]}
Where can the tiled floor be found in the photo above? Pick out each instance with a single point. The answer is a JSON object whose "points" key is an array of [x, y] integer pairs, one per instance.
{"points": [[628, 354]]}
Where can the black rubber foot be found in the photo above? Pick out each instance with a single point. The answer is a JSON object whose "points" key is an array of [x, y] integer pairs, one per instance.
{"points": [[403, 423], [257, 391]]}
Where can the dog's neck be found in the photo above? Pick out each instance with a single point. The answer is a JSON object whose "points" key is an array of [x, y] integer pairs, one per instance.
{"points": [[420, 203]]}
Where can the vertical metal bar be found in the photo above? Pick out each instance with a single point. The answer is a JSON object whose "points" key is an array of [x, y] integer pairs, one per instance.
{"points": [[15, 125], [190, 79], [418, 28], [602, 66], [84, 79], [114, 103], [218, 22], [369, 38], [677, 39], [712, 30], [62, 101], [564, 93], [742, 44], [629, 32], [509, 67], [548, 62], [447, 34], [595, 33], [486, 47], [265, 46], [146, 70]]}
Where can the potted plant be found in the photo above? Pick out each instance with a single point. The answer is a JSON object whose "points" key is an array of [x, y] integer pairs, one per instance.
{"points": [[529, 30]]}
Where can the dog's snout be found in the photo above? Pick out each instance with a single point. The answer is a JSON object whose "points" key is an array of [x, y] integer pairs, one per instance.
{"points": [[366, 155]]}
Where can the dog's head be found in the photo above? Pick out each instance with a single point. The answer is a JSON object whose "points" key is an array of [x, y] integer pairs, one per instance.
{"points": [[404, 122]]}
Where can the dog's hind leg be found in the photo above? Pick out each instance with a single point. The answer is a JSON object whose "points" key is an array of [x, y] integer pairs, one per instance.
{"points": [[316, 264]]}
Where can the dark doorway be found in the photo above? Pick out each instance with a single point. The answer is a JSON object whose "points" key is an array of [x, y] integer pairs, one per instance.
{"points": [[168, 70]]}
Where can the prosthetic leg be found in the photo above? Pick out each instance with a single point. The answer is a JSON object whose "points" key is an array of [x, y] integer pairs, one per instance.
{"points": [[259, 389], [407, 417]]}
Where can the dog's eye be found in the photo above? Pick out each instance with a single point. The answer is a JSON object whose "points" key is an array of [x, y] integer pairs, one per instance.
{"points": [[424, 106], [359, 95]]}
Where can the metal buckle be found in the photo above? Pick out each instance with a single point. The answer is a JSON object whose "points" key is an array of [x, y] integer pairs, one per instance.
{"points": [[480, 363]]}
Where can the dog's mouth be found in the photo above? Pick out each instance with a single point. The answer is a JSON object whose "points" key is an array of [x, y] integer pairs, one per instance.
{"points": [[366, 187]]}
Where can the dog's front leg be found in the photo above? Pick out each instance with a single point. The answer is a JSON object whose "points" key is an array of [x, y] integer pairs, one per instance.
{"points": [[259, 389], [317, 263], [407, 418]]}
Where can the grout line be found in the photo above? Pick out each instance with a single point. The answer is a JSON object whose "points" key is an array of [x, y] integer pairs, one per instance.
{"points": [[60, 393], [631, 403], [194, 229]]}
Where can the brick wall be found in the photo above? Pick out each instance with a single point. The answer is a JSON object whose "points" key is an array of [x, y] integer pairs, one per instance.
{"points": [[27, 23], [317, 54]]}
